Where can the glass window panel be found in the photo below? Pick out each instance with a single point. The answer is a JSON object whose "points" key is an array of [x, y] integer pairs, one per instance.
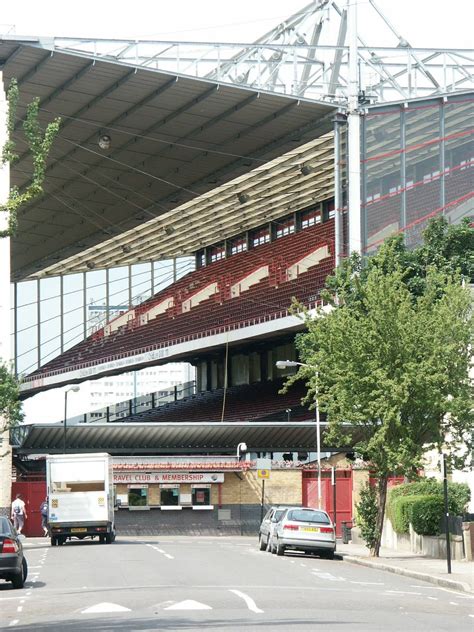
{"points": [[27, 326], [73, 286]]}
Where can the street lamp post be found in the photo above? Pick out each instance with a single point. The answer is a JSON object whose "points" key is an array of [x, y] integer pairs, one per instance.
{"points": [[283, 364], [74, 389]]}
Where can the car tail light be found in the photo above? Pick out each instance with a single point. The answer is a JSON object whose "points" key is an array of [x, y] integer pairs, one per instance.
{"points": [[9, 546], [327, 530], [291, 527]]}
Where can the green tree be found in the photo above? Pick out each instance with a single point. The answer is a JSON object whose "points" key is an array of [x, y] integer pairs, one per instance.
{"points": [[10, 405], [366, 512], [393, 358]]}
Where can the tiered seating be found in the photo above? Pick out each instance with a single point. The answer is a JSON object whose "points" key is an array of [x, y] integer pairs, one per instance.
{"points": [[270, 296], [254, 402], [422, 199]]}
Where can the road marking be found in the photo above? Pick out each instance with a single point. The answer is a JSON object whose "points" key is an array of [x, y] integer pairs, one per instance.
{"points": [[453, 603], [170, 557], [402, 592], [19, 609], [105, 607], [303, 565], [369, 583], [329, 577], [189, 604], [251, 605], [471, 615], [14, 622], [433, 598]]}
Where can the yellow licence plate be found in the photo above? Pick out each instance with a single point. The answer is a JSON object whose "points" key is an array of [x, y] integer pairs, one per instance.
{"points": [[313, 529], [79, 530]]}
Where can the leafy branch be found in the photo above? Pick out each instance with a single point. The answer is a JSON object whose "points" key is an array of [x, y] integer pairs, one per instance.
{"points": [[39, 144]]}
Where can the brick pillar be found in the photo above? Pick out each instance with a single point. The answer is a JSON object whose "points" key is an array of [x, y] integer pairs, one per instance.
{"points": [[5, 472], [359, 479]]}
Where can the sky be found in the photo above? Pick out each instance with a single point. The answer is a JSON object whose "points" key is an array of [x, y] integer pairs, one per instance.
{"points": [[427, 23], [423, 23]]}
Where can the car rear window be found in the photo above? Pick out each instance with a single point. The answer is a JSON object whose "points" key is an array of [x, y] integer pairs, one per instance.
{"points": [[305, 515], [5, 528], [278, 514]]}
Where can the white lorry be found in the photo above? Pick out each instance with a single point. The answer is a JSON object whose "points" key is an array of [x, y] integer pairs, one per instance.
{"points": [[80, 497]]}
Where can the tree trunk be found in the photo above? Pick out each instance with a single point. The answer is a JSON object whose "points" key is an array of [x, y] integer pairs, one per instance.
{"points": [[382, 498]]}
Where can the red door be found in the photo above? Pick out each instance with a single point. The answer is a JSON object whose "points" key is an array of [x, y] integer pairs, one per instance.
{"points": [[343, 495], [33, 492]]}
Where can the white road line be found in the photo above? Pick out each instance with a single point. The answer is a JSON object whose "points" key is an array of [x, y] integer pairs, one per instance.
{"points": [[19, 609], [251, 605], [170, 557], [433, 598], [14, 622], [369, 583], [402, 592], [453, 603], [471, 615]]}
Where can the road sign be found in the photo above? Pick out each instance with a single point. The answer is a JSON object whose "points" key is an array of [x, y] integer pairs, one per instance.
{"points": [[263, 474], [264, 464]]}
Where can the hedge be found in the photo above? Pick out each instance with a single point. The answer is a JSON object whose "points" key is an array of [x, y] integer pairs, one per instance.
{"points": [[459, 494], [399, 512], [426, 513]]}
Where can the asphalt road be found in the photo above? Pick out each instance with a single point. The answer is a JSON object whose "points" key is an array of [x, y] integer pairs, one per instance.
{"points": [[185, 583]]}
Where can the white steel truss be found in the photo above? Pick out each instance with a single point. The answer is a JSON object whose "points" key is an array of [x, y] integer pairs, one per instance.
{"points": [[307, 55]]}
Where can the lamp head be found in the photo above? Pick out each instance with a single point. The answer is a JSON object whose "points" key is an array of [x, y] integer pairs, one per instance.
{"points": [[105, 141], [284, 364]]}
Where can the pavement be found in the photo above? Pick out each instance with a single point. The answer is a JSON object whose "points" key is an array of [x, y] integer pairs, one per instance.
{"points": [[409, 564]]}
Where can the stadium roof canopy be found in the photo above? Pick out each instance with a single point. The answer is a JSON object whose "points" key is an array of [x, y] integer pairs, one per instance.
{"points": [[173, 139], [187, 438]]}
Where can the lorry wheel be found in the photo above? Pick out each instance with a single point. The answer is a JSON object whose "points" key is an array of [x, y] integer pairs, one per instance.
{"points": [[101, 539], [108, 538]]}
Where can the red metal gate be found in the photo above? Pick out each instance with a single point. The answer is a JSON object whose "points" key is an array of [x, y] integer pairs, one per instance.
{"points": [[343, 494], [33, 492]]}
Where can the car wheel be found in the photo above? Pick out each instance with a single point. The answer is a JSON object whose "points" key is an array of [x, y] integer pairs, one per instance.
{"points": [[280, 549], [261, 544], [108, 538], [327, 555], [18, 580], [25, 569], [54, 541], [102, 539]]}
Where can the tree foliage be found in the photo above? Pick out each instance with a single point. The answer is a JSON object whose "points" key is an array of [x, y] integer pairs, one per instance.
{"points": [[39, 143], [366, 514], [10, 405], [393, 355]]}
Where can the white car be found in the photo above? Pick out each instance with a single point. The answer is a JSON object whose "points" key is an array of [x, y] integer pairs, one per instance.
{"points": [[304, 529], [267, 526]]}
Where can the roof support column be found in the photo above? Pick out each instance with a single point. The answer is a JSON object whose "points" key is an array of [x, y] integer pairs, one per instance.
{"points": [[5, 320], [353, 121]]}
